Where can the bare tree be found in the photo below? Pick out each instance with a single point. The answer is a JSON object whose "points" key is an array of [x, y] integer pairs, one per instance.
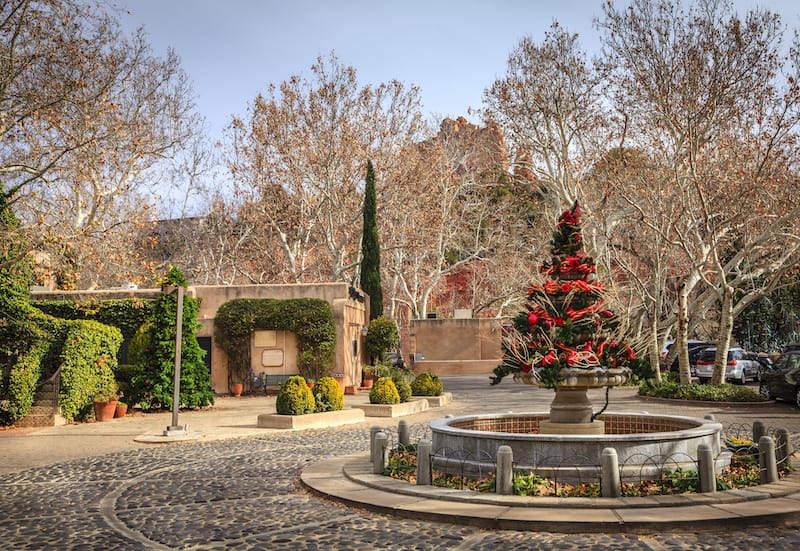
{"points": [[550, 104], [86, 112], [300, 158], [698, 92]]}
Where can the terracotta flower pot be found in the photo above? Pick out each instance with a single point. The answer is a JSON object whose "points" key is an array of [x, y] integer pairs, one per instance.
{"points": [[236, 389], [121, 410], [104, 411]]}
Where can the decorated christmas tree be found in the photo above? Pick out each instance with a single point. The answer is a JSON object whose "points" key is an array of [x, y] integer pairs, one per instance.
{"points": [[565, 331]]}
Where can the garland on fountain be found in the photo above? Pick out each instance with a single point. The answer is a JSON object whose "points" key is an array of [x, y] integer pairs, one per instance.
{"points": [[565, 324]]}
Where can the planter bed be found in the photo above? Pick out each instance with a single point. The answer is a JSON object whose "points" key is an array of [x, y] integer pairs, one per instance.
{"points": [[310, 420], [394, 410], [436, 401]]}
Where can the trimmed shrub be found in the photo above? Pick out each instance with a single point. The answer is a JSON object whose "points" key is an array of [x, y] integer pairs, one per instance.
{"points": [[401, 383], [426, 384], [384, 391], [294, 397], [382, 336], [328, 395]]}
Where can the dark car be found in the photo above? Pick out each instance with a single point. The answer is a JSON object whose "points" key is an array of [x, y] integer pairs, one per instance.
{"points": [[695, 349], [782, 380]]}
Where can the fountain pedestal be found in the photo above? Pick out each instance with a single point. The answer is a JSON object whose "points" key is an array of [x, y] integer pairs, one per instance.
{"points": [[571, 413]]}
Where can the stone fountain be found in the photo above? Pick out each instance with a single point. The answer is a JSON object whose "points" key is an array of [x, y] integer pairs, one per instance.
{"points": [[566, 339]]}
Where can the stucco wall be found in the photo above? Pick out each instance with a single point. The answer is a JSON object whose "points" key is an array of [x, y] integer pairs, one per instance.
{"points": [[456, 346]]}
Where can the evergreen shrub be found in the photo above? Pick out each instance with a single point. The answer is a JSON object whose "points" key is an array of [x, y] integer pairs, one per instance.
{"points": [[328, 395], [427, 384], [153, 384], [88, 361], [401, 383], [382, 336], [384, 391], [295, 398]]}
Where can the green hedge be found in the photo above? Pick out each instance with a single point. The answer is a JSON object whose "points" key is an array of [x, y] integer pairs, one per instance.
{"points": [[310, 319], [126, 314], [86, 352], [88, 361]]}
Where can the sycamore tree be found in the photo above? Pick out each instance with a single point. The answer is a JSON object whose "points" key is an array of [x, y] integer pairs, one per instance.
{"points": [[456, 212], [550, 105], [297, 164], [712, 100], [84, 113]]}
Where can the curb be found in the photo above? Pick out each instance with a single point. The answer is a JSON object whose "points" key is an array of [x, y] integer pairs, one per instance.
{"points": [[349, 480]]}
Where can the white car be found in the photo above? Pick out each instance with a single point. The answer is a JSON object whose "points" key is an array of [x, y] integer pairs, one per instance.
{"points": [[740, 368]]}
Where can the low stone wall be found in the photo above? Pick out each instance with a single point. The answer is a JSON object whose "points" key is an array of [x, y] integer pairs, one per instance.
{"points": [[311, 420], [394, 410]]}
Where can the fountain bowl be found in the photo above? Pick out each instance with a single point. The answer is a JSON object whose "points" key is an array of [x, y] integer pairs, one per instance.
{"points": [[646, 445]]}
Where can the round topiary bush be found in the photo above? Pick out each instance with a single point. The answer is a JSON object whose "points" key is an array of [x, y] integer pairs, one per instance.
{"points": [[384, 392], [426, 384], [402, 385], [294, 397], [328, 395]]}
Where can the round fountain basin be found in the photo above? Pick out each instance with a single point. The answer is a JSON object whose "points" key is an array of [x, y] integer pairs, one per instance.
{"points": [[646, 445]]}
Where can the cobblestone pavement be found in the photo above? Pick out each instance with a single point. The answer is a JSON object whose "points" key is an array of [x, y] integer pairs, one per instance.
{"points": [[245, 494]]}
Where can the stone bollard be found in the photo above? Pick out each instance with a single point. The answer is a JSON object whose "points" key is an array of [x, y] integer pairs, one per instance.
{"points": [[372, 432], [403, 436], [783, 446], [505, 471], [705, 469], [380, 447], [709, 417], [759, 430], [609, 474], [768, 470], [424, 477]]}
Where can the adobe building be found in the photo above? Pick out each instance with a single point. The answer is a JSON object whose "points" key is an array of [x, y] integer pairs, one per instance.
{"points": [[272, 352]]}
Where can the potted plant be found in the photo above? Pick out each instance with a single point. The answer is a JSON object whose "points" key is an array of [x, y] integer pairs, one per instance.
{"points": [[367, 376], [121, 410], [105, 406]]}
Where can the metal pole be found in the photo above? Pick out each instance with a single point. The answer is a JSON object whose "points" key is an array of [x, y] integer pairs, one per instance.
{"points": [[176, 393]]}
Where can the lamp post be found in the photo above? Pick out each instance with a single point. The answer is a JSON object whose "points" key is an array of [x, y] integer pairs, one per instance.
{"points": [[175, 429]]}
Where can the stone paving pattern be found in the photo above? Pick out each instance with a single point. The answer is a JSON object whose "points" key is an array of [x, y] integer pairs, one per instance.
{"points": [[245, 494]]}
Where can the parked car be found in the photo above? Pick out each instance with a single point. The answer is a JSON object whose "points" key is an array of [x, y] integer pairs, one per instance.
{"points": [[695, 349], [741, 365], [782, 379]]}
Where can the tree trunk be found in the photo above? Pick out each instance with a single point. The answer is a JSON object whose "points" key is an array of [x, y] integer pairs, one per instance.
{"points": [[654, 348], [724, 335], [682, 337]]}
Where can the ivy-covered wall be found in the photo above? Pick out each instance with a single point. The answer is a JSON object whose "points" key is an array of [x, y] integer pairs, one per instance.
{"points": [[310, 319], [126, 314]]}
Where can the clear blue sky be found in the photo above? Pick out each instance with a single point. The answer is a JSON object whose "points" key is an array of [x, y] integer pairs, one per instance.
{"points": [[451, 49]]}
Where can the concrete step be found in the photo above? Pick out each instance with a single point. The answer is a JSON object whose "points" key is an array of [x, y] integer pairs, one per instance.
{"points": [[42, 416]]}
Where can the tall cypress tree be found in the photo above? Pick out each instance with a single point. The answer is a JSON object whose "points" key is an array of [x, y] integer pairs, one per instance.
{"points": [[370, 249]]}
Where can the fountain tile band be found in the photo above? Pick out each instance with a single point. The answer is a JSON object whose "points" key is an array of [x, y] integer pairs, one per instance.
{"points": [[646, 444]]}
